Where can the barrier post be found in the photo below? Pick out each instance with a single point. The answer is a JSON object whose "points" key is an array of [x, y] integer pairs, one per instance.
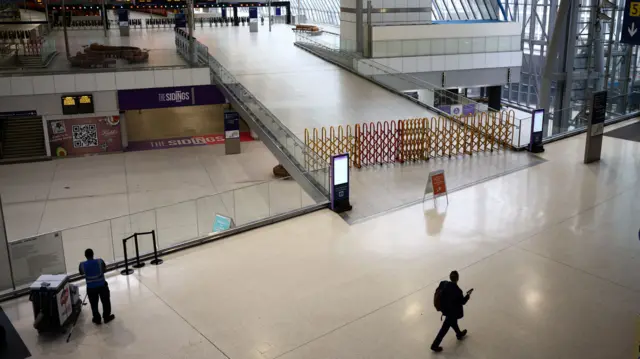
{"points": [[156, 261], [126, 270], [138, 263]]}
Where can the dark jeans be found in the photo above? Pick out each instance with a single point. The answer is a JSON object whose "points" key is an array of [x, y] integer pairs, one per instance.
{"points": [[448, 323], [103, 295]]}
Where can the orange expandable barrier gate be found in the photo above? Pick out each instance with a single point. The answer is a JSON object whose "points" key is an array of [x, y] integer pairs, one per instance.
{"points": [[418, 139]]}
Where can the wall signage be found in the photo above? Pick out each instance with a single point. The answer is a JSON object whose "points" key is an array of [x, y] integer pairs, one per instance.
{"points": [[77, 104], [164, 97]]}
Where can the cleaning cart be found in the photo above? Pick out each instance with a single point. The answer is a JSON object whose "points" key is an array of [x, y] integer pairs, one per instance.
{"points": [[56, 303]]}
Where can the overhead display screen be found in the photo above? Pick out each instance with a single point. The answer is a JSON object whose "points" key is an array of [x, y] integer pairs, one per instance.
{"points": [[77, 104]]}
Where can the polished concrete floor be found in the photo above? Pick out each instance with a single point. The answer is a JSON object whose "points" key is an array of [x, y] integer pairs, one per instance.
{"points": [[302, 90], [380, 189], [552, 252], [47, 196]]}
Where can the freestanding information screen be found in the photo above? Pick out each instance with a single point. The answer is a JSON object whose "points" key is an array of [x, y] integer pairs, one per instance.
{"points": [[340, 183], [537, 120], [595, 127]]}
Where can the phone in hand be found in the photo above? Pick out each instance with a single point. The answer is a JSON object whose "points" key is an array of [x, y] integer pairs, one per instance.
{"points": [[470, 291]]}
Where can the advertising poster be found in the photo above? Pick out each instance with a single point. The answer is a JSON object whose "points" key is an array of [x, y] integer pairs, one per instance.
{"points": [[84, 136], [63, 298]]}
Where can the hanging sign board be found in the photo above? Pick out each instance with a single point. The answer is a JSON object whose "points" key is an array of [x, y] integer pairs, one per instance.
{"points": [[631, 23], [77, 104], [436, 185]]}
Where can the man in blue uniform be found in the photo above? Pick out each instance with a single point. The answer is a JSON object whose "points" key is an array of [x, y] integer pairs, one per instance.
{"points": [[97, 287]]}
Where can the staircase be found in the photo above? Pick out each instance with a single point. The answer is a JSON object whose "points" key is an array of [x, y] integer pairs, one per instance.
{"points": [[36, 61], [23, 140]]}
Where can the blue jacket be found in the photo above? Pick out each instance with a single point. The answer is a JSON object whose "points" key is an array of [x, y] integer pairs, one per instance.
{"points": [[93, 270]]}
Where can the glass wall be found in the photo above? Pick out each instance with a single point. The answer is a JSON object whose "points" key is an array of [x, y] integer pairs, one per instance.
{"points": [[318, 11]]}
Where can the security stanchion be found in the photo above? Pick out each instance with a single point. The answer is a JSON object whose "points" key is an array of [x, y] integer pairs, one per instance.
{"points": [[126, 270], [138, 263], [156, 261]]}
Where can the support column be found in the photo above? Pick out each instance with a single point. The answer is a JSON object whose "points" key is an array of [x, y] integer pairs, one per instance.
{"points": [[105, 19], [64, 30], [495, 94], [191, 25], [236, 21], [359, 28]]}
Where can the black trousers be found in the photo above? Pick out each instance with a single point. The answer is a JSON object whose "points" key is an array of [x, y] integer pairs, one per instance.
{"points": [[103, 295], [449, 322]]}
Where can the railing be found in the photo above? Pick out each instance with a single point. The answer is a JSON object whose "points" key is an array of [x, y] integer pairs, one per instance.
{"points": [[308, 162], [174, 225], [619, 107]]}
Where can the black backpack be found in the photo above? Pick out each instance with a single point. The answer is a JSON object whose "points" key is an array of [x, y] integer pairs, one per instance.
{"points": [[438, 295]]}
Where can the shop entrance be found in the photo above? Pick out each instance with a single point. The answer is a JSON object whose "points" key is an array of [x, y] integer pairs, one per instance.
{"points": [[175, 117]]}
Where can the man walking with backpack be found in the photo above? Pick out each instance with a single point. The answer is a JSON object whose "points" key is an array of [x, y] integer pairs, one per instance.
{"points": [[449, 300]]}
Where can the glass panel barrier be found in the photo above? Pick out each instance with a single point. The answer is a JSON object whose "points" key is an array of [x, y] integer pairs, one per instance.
{"points": [[33, 256], [251, 203], [304, 159], [96, 236], [62, 251]]}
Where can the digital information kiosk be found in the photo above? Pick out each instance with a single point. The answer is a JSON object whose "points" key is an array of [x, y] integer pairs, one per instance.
{"points": [[340, 183]]}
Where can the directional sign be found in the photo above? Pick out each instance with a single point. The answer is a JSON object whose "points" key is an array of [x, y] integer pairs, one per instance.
{"points": [[631, 23]]}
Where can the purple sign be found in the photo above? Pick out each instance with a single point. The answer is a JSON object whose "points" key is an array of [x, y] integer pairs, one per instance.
{"points": [[458, 110], [163, 97]]}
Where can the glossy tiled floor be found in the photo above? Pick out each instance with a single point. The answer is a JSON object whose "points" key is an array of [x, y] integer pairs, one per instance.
{"points": [[552, 252], [46, 196]]}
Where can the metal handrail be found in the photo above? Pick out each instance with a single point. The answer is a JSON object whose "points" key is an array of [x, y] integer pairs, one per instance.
{"points": [[254, 106]]}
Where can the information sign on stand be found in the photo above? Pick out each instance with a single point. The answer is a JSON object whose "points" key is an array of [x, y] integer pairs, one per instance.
{"points": [[436, 185], [631, 23], [222, 223], [340, 183], [123, 21], [231, 132], [537, 119], [253, 19], [595, 127]]}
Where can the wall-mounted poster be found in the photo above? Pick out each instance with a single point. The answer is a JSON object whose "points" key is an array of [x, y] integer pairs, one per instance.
{"points": [[84, 136]]}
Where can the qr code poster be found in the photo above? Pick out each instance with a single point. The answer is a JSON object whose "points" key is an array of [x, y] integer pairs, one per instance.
{"points": [[85, 136]]}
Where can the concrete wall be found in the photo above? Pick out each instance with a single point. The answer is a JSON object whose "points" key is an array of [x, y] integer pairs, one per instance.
{"points": [[490, 77], [50, 105]]}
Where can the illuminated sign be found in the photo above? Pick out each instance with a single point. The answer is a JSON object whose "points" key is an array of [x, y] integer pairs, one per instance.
{"points": [[77, 104], [340, 183]]}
